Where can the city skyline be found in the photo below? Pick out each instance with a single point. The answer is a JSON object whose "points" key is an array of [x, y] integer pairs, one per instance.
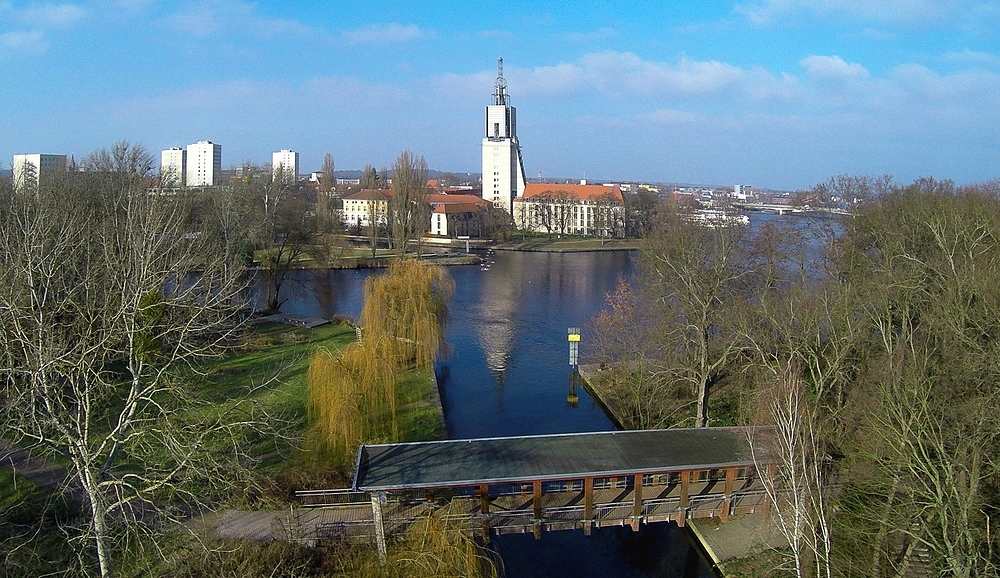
{"points": [[776, 93]]}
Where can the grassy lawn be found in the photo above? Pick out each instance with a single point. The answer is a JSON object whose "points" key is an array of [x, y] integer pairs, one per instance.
{"points": [[568, 243], [29, 515], [419, 416], [270, 371], [339, 257]]}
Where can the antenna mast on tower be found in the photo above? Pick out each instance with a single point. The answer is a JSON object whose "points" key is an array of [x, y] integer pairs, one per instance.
{"points": [[500, 86]]}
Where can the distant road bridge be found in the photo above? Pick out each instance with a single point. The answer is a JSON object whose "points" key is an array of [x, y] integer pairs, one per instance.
{"points": [[789, 209], [549, 482]]}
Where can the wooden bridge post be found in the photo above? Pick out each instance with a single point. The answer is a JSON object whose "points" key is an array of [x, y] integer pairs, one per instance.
{"points": [[379, 528], [636, 502], [484, 508], [727, 502], [772, 472], [588, 505], [536, 508], [683, 501], [484, 498]]}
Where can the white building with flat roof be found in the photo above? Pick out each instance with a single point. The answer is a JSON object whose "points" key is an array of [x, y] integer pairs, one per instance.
{"points": [[503, 170], [173, 167], [204, 164], [29, 169], [285, 164]]}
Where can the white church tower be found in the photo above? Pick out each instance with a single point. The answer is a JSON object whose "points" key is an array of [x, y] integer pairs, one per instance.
{"points": [[503, 171]]}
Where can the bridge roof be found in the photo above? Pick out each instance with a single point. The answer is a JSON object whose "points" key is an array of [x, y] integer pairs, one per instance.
{"points": [[456, 463]]}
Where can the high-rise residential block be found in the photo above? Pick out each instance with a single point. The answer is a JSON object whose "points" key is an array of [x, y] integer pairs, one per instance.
{"points": [[29, 169], [204, 164], [285, 164], [173, 167]]}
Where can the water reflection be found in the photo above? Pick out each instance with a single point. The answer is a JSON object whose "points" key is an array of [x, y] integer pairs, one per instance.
{"points": [[500, 294], [508, 370]]}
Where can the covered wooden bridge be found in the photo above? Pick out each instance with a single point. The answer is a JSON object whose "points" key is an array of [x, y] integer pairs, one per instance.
{"points": [[552, 482]]}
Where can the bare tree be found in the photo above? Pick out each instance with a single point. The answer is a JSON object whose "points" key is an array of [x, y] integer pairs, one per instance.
{"points": [[105, 295], [523, 216], [639, 214], [370, 181], [562, 210], [408, 211], [798, 489], [290, 234], [627, 348], [326, 208], [699, 275], [922, 261], [607, 216], [543, 211]]}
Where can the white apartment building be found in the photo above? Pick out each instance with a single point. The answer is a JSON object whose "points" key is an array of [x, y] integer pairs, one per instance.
{"points": [[173, 167], [597, 210], [362, 206], [204, 164], [503, 170], [285, 164], [28, 169]]}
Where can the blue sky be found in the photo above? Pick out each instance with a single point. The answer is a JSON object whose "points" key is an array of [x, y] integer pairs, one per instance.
{"points": [[774, 93]]}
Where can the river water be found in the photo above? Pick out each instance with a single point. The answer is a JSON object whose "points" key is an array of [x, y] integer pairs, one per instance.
{"points": [[506, 373]]}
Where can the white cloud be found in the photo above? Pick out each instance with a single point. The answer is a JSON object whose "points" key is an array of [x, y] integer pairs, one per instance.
{"points": [[900, 12], [672, 116], [43, 15], [203, 19], [51, 15], [972, 57], [37, 18], [384, 33], [593, 36], [22, 42], [627, 76], [617, 72], [505, 34], [555, 80], [833, 68]]}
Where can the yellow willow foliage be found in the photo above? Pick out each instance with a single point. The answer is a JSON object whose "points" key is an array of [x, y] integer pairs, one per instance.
{"points": [[434, 545], [352, 397], [404, 311]]}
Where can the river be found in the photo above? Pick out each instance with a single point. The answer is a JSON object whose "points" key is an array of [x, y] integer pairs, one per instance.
{"points": [[506, 373]]}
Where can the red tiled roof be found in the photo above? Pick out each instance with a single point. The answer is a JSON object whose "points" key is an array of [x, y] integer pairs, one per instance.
{"points": [[435, 198], [450, 208], [577, 192], [369, 194]]}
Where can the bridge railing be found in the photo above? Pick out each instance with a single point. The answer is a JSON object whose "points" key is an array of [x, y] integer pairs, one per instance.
{"points": [[331, 498]]}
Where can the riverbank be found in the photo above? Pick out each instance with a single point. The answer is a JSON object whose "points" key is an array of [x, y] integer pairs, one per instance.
{"points": [[568, 245], [382, 261], [601, 393]]}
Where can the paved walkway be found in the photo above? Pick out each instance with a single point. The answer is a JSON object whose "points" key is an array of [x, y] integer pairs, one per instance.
{"points": [[37, 469], [742, 536]]}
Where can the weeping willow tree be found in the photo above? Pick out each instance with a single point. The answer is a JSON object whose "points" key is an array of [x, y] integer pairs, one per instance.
{"points": [[436, 544], [353, 397]]}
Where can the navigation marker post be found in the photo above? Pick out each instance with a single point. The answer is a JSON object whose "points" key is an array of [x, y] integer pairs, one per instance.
{"points": [[572, 399]]}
